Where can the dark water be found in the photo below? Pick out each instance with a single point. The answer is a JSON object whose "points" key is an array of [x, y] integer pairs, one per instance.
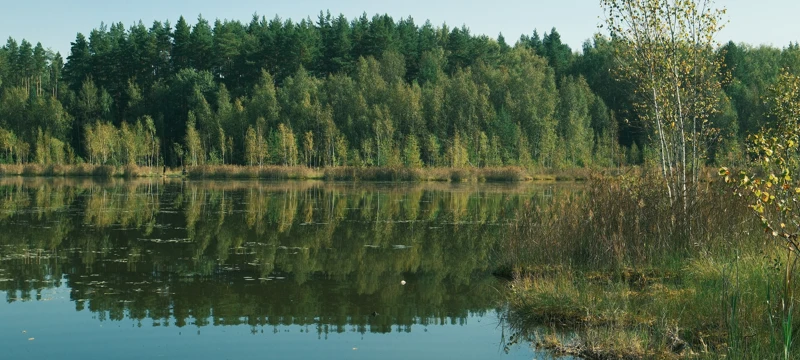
{"points": [[148, 269]]}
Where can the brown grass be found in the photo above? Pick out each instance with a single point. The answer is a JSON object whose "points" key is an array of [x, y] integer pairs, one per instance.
{"points": [[271, 172], [618, 223], [511, 173], [253, 172], [79, 170]]}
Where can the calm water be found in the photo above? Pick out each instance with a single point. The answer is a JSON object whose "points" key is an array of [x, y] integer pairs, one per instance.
{"points": [[148, 269]]}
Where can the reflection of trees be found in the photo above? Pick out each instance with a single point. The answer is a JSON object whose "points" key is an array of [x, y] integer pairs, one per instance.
{"points": [[202, 253], [230, 300]]}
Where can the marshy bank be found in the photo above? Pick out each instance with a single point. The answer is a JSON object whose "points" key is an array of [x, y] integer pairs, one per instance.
{"points": [[619, 271]]}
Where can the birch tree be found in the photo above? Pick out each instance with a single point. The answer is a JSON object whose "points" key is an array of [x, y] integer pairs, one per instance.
{"points": [[666, 48]]}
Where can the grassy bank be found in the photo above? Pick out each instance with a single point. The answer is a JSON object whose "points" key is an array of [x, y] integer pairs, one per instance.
{"points": [[715, 306], [615, 273]]}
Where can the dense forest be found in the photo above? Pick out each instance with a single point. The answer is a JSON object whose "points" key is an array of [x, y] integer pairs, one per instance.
{"points": [[338, 91]]}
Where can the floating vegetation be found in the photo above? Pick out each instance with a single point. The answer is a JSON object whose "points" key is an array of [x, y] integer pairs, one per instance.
{"points": [[168, 241]]}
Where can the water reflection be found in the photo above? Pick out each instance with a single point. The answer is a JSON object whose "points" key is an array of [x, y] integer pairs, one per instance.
{"points": [[329, 257]]}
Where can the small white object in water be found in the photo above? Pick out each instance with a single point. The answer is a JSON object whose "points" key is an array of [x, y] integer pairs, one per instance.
{"points": [[403, 282]]}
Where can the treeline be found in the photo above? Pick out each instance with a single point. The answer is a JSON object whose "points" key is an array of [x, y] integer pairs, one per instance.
{"points": [[363, 92]]}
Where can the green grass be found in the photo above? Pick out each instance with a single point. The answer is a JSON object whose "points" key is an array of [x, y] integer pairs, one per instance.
{"points": [[716, 306]]}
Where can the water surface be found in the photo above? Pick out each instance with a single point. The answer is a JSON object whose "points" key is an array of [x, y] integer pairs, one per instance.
{"points": [[177, 269]]}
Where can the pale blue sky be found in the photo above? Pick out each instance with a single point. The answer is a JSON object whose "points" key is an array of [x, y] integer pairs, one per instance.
{"points": [[55, 23]]}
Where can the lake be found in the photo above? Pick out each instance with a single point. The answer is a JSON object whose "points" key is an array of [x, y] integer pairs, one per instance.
{"points": [[182, 269]]}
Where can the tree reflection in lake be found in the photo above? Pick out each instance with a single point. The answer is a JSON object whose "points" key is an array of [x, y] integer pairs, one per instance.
{"points": [[328, 256]]}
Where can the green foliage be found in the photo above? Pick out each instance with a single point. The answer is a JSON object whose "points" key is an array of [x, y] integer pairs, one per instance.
{"points": [[774, 189], [457, 155], [251, 145], [135, 144], [574, 123], [432, 150], [285, 146], [50, 150], [360, 88], [411, 153], [193, 144]]}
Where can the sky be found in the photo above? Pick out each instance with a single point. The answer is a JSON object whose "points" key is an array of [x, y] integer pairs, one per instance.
{"points": [[55, 23]]}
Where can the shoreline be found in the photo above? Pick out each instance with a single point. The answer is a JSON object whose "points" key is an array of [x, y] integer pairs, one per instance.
{"points": [[236, 172]]}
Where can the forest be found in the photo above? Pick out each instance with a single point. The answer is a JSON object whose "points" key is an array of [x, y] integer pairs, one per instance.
{"points": [[337, 91]]}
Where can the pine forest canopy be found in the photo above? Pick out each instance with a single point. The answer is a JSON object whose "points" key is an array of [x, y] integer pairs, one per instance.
{"points": [[338, 91]]}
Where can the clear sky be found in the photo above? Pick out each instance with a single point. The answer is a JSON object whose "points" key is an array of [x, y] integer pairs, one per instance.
{"points": [[55, 23]]}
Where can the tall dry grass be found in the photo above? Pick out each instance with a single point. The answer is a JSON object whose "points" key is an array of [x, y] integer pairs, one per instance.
{"points": [[272, 172], [253, 172], [79, 170], [615, 223]]}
